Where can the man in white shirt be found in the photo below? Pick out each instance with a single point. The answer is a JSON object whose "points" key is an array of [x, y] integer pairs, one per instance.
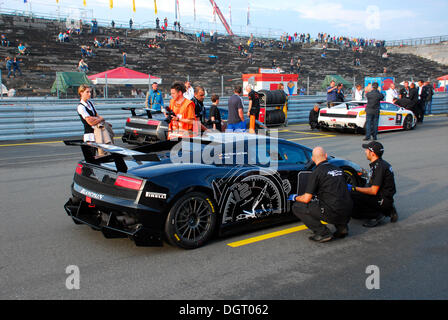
{"points": [[391, 93], [189, 94], [358, 93]]}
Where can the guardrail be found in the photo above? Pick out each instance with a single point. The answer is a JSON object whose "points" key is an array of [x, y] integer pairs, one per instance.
{"points": [[416, 41], [22, 119]]}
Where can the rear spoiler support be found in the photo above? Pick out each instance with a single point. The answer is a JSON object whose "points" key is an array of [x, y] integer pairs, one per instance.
{"points": [[149, 112], [117, 154]]}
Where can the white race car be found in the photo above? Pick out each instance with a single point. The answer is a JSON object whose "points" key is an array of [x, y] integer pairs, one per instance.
{"points": [[352, 115]]}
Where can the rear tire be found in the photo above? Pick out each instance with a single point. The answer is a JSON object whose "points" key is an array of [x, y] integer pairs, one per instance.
{"points": [[191, 220]]}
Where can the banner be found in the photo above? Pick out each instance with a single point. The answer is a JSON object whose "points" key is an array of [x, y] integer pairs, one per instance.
{"points": [[248, 10], [175, 8], [155, 6], [111, 4], [133, 5], [84, 3]]}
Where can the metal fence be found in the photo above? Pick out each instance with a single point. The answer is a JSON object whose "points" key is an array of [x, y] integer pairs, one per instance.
{"points": [[23, 119], [416, 41]]}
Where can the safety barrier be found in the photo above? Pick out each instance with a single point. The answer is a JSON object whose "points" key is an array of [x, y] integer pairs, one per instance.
{"points": [[23, 119]]}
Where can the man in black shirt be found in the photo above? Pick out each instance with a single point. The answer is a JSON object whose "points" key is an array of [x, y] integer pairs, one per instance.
{"points": [[405, 103], [314, 116], [404, 92], [334, 204], [375, 201], [254, 107], [215, 115], [374, 98], [198, 99]]}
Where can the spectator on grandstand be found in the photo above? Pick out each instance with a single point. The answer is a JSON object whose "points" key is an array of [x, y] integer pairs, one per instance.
{"points": [[157, 23], [61, 37], [298, 65], [22, 49], [94, 29], [5, 41], [165, 23], [130, 24], [112, 24], [97, 43], [83, 51], [274, 64], [250, 60], [16, 66], [124, 57], [82, 66], [9, 65]]}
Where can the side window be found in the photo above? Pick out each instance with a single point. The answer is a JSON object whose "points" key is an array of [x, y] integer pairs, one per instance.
{"points": [[388, 107], [291, 154]]}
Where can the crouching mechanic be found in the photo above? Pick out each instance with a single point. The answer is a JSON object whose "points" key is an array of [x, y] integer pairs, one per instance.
{"points": [[376, 201], [333, 205]]}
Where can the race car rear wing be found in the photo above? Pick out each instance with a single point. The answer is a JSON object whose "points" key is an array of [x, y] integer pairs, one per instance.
{"points": [[149, 112], [117, 154]]}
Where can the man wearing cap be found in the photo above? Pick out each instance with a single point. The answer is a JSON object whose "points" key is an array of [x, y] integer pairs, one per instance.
{"points": [[334, 203], [376, 201]]}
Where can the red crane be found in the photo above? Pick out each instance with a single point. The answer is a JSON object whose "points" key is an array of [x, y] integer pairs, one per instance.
{"points": [[221, 17]]}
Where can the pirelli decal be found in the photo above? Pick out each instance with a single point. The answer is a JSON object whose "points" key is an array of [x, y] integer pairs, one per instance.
{"points": [[156, 195]]}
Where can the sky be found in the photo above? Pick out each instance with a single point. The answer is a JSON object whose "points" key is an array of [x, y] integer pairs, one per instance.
{"points": [[380, 19]]}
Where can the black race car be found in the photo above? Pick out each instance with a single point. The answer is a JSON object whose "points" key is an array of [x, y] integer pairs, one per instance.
{"points": [[150, 126], [186, 191]]}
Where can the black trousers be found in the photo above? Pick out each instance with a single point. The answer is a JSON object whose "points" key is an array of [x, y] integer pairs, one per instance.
{"points": [[370, 207], [311, 214]]}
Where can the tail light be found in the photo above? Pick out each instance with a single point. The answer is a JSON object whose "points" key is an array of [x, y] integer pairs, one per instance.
{"points": [[128, 183], [128, 120], [79, 169], [153, 122], [323, 111], [352, 113]]}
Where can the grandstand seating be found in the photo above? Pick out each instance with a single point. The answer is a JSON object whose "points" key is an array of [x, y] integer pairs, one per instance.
{"points": [[180, 56]]}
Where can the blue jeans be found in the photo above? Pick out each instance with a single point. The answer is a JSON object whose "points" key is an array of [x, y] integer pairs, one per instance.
{"points": [[372, 125], [428, 105], [236, 127]]}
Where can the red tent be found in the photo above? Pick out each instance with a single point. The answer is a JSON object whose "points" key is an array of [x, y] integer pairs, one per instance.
{"points": [[123, 75]]}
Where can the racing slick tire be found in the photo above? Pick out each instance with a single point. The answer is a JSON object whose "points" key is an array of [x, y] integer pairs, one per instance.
{"points": [[407, 123], [191, 220], [350, 177]]}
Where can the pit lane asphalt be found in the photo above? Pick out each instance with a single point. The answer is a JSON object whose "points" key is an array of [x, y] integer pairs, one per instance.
{"points": [[38, 240]]}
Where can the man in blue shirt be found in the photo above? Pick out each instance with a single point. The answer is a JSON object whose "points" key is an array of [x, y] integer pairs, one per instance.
{"points": [[331, 94], [154, 99]]}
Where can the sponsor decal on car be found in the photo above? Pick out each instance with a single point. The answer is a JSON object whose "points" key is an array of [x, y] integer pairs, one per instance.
{"points": [[156, 195], [91, 194]]}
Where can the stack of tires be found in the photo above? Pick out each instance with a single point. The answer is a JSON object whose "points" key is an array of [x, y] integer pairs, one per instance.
{"points": [[273, 101]]}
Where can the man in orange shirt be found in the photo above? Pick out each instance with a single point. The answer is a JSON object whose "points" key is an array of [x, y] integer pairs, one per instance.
{"points": [[183, 108]]}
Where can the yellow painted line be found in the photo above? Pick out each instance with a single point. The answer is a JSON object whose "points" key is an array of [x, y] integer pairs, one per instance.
{"points": [[309, 138], [268, 236], [35, 143], [311, 133]]}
